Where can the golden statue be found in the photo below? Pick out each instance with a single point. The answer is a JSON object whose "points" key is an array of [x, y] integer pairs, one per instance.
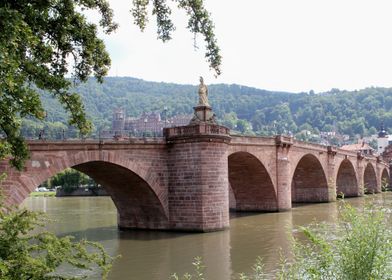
{"points": [[203, 94]]}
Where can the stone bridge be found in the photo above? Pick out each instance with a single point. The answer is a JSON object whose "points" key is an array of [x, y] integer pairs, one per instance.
{"points": [[189, 179]]}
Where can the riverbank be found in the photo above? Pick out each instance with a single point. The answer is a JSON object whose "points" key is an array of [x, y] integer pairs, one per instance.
{"points": [[81, 192], [42, 194]]}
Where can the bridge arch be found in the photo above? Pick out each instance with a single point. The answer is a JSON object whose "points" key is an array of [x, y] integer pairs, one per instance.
{"points": [[251, 183], [309, 183], [346, 180], [370, 179], [135, 190]]}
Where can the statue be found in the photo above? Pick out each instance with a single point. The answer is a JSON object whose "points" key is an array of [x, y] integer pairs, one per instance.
{"points": [[203, 111], [203, 94]]}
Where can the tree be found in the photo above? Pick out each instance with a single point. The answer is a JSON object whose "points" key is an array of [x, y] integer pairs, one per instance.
{"points": [[40, 37]]}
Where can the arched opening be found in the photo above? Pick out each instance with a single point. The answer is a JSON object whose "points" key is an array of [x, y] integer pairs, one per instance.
{"points": [[252, 187], [385, 180], [309, 183], [346, 181], [370, 179], [138, 206]]}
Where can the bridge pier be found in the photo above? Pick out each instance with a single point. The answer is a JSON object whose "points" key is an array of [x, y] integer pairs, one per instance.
{"points": [[198, 177], [360, 171], [331, 173], [379, 170], [283, 172]]}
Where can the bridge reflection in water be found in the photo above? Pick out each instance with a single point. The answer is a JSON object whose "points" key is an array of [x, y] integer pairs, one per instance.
{"points": [[157, 254]]}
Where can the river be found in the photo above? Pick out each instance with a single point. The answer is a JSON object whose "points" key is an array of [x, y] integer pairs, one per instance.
{"points": [[156, 255]]}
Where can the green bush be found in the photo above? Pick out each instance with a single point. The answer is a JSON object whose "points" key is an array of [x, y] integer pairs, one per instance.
{"points": [[29, 253], [358, 247], [197, 275]]}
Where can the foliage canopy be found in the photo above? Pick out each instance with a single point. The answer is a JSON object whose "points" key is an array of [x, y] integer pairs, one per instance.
{"points": [[44, 41], [37, 40]]}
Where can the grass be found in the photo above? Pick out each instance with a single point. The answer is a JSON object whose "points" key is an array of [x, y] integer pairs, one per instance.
{"points": [[42, 194]]}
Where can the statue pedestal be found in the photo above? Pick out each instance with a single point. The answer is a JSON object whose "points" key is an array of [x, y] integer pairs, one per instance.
{"points": [[198, 176], [203, 114]]}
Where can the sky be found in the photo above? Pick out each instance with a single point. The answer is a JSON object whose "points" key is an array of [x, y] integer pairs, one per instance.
{"points": [[285, 45]]}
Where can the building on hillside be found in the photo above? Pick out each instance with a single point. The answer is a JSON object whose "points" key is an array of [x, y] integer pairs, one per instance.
{"points": [[383, 140], [384, 144], [334, 138], [387, 155], [361, 146], [147, 124]]}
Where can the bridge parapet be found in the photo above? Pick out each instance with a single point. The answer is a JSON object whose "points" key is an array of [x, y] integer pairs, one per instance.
{"points": [[123, 144], [237, 140], [200, 129], [311, 146]]}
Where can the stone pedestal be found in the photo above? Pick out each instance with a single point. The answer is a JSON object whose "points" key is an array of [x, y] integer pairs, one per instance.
{"points": [[198, 176], [203, 114]]}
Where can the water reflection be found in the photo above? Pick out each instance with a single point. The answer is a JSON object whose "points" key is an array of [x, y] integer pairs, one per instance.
{"points": [[156, 254], [259, 235]]}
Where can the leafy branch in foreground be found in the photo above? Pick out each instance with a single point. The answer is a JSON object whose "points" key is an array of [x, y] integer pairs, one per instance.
{"points": [[37, 42], [41, 40], [199, 22], [25, 254]]}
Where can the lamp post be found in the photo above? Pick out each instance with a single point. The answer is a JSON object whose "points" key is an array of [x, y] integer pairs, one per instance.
{"points": [[145, 124], [165, 113]]}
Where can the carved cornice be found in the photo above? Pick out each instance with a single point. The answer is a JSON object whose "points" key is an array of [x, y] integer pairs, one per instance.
{"points": [[332, 150], [284, 141], [196, 133]]}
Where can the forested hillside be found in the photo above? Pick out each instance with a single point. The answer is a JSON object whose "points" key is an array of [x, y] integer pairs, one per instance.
{"points": [[245, 109]]}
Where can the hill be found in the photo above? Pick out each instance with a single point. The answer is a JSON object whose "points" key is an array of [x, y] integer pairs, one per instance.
{"points": [[245, 109]]}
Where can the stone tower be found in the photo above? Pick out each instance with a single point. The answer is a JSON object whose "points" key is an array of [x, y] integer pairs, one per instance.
{"points": [[118, 121], [382, 139], [198, 174]]}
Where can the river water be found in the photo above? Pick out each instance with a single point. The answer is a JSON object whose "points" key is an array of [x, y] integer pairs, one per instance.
{"points": [[157, 255]]}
